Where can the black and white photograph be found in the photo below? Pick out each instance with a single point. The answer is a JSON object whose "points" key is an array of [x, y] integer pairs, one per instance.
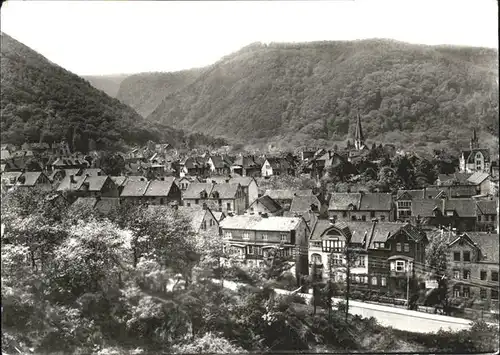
{"points": [[249, 177]]}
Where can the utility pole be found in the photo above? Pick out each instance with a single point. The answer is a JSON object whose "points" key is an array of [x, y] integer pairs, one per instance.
{"points": [[408, 270], [348, 280]]}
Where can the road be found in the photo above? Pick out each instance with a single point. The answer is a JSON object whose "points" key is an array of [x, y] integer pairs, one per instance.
{"points": [[397, 318]]}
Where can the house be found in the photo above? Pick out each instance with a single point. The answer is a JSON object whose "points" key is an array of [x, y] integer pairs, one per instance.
{"points": [[253, 236], [246, 166], [163, 191], [202, 219], [475, 159], [10, 178], [452, 179], [456, 213], [482, 182], [381, 252], [226, 197], [194, 166], [133, 191], [473, 259], [88, 186], [275, 167], [317, 165], [34, 178], [361, 206], [248, 184], [219, 165], [303, 204], [265, 205], [120, 182], [486, 215], [184, 182], [285, 197]]}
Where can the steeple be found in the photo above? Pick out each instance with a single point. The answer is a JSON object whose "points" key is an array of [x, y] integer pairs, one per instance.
{"points": [[359, 139], [474, 144]]}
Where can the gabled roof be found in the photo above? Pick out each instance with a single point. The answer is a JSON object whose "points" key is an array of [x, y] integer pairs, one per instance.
{"points": [[271, 205], [487, 206], [134, 188], [31, 177], [92, 171], [160, 187], [470, 154], [488, 243], [194, 189], [303, 203], [258, 223], [376, 202], [66, 183], [478, 177], [225, 191], [425, 207], [464, 207], [11, 175], [278, 163], [448, 178], [96, 183], [286, 194], [342, 201]]}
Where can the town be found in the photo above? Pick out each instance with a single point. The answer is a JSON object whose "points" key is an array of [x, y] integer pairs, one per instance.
{"points": [[291, 203]]}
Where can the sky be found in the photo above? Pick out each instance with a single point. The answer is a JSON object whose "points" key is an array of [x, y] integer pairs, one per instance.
{"points": [[111, 37]]}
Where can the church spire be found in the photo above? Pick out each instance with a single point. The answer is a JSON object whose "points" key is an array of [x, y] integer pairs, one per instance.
{"points": [[359, 139], [474, 144]]}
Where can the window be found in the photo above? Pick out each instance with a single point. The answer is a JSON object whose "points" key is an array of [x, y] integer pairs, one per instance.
{"points": [[374, 280], [360, 261], [353, 218], [483, 275], [365, 279], [228, 235], [400, 266], [344, 214], [258, 250], [494, 276], [357, 279], [456, 291], [250, 249], [494, 294], [383, 281], [211, 222], [196, 202], [161, 201], [229, 206], [382, 217], [246, 236], [204, 225], [456, 274], [372, 214], [188, 204], [264, 237], [398, 247], [456, 256], [482, 293], [363, 218], [284, 237], [466, 255], [466, 292], [337, 259], [407, 247], [479, 218]]}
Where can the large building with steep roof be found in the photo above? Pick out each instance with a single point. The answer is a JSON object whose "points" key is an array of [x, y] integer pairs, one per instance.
{"points": [[475, 159]]}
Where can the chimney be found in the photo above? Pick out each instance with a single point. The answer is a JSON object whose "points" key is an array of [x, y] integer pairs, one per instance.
{"points": [[72, 179]]}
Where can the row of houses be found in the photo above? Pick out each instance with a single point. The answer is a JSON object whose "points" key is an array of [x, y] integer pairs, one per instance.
{"points": [[384, 256]]}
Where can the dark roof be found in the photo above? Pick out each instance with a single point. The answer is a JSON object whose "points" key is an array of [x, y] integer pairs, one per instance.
{"points": [[194, 189], [271, 205], [286, 194], [487, 206], [226, 190], [424, 207], [448, 178], [160, 187], [465, 207], [376, 201], [66, 183], [278, 163], [488, 244], [303, 203], [96, 183], [340, 201], [478, 177], [134, 188], [469, 155]]}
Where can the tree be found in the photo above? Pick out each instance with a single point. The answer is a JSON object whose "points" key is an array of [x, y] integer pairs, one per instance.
{"points": [[111, 163]]}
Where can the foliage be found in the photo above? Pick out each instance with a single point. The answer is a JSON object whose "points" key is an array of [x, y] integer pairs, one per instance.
{"points": [[297, 94]]}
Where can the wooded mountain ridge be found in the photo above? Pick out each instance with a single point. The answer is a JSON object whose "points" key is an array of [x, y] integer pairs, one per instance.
{"points": [[416, 96], [43, 102]]}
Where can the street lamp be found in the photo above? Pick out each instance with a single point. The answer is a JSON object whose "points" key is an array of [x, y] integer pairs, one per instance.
{"points": [[409, 268]]}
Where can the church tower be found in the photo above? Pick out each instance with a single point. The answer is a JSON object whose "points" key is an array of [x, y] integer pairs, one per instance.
{"points": [[359, 139], [474, 143]]}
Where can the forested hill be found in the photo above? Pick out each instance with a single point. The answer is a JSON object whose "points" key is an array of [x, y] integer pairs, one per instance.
{"points": [[293, 94], [110, 84], [40, 101], [145, 91]]}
